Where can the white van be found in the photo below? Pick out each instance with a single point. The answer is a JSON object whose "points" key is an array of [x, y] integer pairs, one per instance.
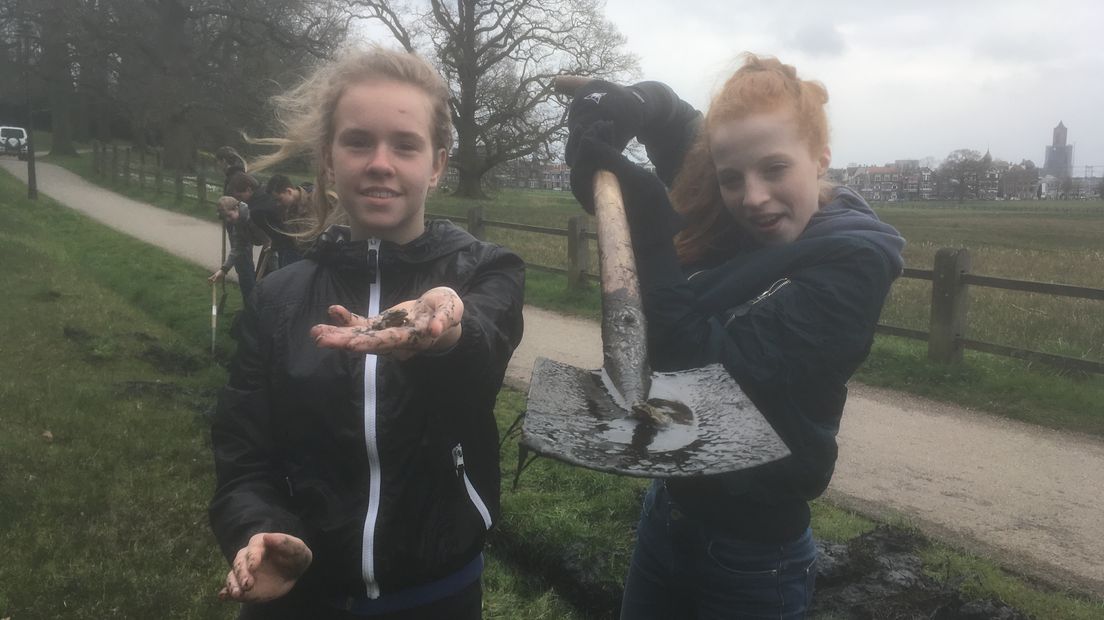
{"points": [[13, 141]]}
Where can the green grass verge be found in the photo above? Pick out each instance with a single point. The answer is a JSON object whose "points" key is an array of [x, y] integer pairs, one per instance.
{"points": [[978, 578], [104, 345], [1033, 393]]}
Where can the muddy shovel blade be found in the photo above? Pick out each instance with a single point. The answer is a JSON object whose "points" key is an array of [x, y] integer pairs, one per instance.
{"points": [[572, 417]]}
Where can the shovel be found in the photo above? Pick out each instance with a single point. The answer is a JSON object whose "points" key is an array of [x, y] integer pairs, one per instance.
{"points": [[623, 418]]}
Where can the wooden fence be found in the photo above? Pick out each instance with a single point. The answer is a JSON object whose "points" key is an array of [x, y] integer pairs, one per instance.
{"points": [[125, 166], [950, 277]]}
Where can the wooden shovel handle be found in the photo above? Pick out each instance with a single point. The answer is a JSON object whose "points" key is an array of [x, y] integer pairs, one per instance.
{"points": [[569, 84], [618, 263]]}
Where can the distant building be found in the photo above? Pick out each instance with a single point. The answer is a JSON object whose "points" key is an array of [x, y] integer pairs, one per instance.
{"points": [[1059, 155]]}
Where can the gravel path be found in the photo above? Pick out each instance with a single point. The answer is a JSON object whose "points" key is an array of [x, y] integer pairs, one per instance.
{"points": [[1030, 497]]}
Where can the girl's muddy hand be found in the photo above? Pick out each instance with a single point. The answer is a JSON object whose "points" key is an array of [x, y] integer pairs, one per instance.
{"points": [[429, 323]]}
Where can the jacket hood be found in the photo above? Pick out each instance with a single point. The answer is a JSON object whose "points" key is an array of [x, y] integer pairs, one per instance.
{"points": [[336, 247], [848, 214]]}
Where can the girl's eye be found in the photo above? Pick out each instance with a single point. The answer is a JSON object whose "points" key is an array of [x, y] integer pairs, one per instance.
{"points": [[776, 170], [731, 182]]}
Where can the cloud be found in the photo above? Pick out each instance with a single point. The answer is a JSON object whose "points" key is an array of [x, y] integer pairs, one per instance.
{"points": [[816, 39]]}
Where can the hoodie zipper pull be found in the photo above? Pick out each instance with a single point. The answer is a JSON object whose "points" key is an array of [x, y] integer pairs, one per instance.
{"points": [[373, 259], [458, 459]]}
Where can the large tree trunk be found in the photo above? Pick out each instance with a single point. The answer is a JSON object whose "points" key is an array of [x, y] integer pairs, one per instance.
{"points": [[174, 48], [179, 147], [59, 81], [471, 185], [93, 112]]}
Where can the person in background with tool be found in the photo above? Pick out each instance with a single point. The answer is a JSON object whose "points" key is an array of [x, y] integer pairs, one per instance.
{"points": [[243, 234], [266, 211], [357, 463], [762, 266], [292, 206]]}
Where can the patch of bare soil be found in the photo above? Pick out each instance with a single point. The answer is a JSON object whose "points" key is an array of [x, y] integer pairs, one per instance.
{"points": [[880, 576], [168, 361]]}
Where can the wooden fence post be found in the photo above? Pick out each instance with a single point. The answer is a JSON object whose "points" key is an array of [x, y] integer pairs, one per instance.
{"points": [[950, 299], [142, 168], [159, 175], [578, 252], [475, 223], [179, 185], [126, 166], [114, 164], [201, 188]]}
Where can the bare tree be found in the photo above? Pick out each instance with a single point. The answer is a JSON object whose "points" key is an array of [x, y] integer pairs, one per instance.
{"points": [[499, 58], [959, 174], [180, 73], [188, 68]]}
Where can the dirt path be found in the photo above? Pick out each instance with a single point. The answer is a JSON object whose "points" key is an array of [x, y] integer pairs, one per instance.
{"points": [[1032, 498]]}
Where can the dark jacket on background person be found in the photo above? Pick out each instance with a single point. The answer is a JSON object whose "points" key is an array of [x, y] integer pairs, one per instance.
{"points": [[390, 476], [791, 323], [278, 224]]}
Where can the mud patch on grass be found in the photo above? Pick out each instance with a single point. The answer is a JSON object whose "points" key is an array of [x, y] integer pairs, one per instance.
{"points": [[76, 334], [879, 575], [197, 400], [46, 296], [169, 361], [142, 337]]}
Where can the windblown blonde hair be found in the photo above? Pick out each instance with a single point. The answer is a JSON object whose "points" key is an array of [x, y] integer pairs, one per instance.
{"points": [[306, 114], [762, 84]]}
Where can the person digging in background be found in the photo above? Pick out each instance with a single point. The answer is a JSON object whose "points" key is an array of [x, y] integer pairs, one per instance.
{"points": [[763, 267], [267, 212], [357, 463], [243, 235], [292, 205]]}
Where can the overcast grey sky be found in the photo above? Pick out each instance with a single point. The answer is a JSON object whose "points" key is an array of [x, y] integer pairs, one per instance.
{"points": [[905, 81]]}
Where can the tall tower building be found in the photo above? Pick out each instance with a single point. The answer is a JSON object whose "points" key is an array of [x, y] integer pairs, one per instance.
{"points": [[1059, 155]]}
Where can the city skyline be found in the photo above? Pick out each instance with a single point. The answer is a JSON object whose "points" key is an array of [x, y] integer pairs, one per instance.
{"points": [[904, 82]]}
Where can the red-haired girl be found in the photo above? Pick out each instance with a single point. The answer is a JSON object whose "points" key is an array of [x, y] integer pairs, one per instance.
{"points": [[761, 266]]}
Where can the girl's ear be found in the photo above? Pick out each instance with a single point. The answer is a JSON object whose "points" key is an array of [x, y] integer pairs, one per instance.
{"points": [[824, 161], [327, 167], [440, 160]]}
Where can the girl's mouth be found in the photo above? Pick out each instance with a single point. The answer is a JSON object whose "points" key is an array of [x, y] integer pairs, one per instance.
{"points": [[379, 193], [766, 222]]}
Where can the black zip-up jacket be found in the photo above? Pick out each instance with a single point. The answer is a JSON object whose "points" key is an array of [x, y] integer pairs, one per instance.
{"points": [[391, 479], [791, 323]]}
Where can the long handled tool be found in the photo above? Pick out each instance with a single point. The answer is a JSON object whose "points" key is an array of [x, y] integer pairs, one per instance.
{"points": [[214, 314], [623, 418]]}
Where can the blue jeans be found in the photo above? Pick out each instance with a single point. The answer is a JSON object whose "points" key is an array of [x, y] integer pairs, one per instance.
{"points": [[684, 569]]}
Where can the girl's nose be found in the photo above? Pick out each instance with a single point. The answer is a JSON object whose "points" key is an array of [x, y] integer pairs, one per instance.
{"points": [[755, 192]]}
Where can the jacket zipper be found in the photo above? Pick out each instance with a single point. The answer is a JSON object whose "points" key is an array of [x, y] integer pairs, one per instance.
{"points": [[744, 308], [473, 495], [368, 560]]}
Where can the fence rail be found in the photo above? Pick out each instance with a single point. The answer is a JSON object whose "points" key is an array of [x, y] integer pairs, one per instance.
{"points": [[951, 280], [950, 277], [115, 165]]}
